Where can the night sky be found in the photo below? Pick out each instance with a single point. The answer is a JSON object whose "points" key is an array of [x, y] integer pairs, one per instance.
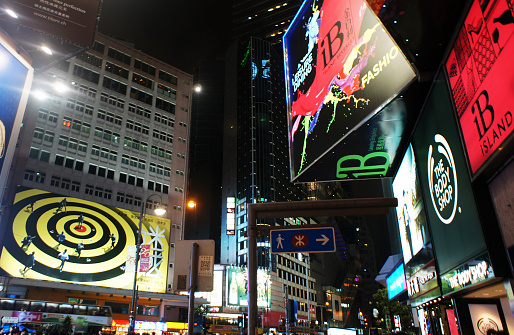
{"points": [[177, 32]]}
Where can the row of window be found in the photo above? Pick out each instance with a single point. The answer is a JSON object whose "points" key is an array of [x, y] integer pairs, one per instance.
{"points": [[97, 191], [104, 172], [121, 88], [300, 293]]}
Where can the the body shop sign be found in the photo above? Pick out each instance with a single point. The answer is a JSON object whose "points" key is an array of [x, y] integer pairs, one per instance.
{"points": [[342, 68], [451, 209], [481, 76], [473, 272]]}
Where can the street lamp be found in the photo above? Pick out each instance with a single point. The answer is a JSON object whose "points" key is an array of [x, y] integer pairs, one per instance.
{"points": [[158, 211]]}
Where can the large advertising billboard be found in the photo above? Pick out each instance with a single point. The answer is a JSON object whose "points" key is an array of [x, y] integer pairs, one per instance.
{"points": [[450, 206], [342, 67], [237, 287], [64, 239], [73, 20], [15, 81], [481, 77]]}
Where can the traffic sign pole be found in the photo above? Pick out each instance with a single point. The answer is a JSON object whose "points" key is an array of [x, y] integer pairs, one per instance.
{"points": [[336, 207]]}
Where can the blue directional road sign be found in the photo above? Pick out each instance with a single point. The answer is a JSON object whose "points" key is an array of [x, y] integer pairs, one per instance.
{"points": [[303, 240]]}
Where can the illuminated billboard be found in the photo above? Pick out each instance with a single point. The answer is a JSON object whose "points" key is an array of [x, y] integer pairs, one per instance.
{"points": [[71, 240], [237, 287], [73, 20], [412, 222], [481, 76], [396, 283], [341, 69], [450, 204], [15, 81]]}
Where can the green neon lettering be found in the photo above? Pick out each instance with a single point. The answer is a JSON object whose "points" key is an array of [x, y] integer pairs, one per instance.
{"points": [[361, 169]]}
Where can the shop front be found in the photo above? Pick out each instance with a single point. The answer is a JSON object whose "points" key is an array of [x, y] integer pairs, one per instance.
{"points": [[121, 327]]}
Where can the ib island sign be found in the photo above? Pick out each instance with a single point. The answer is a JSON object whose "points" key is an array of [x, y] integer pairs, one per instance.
{"points": [[342, 68]]}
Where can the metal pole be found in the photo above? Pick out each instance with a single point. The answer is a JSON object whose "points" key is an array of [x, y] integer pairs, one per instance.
{"points": [[308, 297], [286, 301], [133, 306], [252, 273], [192, 288]]}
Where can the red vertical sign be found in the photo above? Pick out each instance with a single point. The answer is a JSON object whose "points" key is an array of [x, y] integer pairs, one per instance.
{"points": [[482, 78], [144, 260]]}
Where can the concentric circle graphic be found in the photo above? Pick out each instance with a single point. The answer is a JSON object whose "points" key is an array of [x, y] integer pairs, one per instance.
{"points": [[80, 241]]}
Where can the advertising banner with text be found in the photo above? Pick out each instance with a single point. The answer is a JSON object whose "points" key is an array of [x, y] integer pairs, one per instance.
{"points": [[342, 67], [73, 20]]}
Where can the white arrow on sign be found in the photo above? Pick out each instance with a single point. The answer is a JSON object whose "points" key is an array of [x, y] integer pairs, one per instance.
{"points": [[324, 239]]}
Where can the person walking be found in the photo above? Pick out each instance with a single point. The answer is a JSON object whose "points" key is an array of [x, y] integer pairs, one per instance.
{"points": [[61, 238], [79, 248], [31, 261], [63, 256]]}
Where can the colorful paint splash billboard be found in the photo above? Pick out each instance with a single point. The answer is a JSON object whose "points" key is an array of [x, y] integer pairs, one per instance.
{"points": [[481, 77], [342, 68], [50, 237]]}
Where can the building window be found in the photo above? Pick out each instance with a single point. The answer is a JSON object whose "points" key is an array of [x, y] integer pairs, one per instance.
{"points": [[29, 175], [119, 56], [75, 186], [40, 177], [143, 81], [144, 67], [168, 77], [89, 189], [55, 181]]}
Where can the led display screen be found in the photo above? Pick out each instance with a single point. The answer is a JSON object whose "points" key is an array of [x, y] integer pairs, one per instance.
{"points": [[444, 178], [46, 239], [412, 222], [481, 77], [341, 67]]}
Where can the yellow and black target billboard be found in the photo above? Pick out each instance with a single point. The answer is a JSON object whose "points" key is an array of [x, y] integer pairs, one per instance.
{"points": [[64, 239]]}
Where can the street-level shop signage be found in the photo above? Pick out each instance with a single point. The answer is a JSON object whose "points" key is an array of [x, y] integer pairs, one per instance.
{"points": [[150, 325], [480, 72], [342, 68], [422, 281], [9, 319], [471, 273], [451, 209], [396, 283]]}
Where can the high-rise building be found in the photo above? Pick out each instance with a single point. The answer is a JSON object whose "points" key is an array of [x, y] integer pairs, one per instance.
{"points": [[267, 20], [107, 128]]}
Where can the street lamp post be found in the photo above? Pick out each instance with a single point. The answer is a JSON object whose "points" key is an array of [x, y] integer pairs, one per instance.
{"points": [[133, 306]]}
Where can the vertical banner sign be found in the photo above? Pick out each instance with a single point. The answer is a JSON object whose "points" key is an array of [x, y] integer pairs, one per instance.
{"points": [[481, 77], [450, 205], [341, 67], [144, 258]]}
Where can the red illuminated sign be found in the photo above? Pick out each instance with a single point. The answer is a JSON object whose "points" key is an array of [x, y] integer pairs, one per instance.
{"points": [[66, 123], [481, 77]]}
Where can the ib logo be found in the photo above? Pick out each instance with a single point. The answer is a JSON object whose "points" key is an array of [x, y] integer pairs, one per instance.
{"points": [[442, 180]]}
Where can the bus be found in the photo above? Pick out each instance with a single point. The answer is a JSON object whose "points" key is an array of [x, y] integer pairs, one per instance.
{"points": [[36, 314]]}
